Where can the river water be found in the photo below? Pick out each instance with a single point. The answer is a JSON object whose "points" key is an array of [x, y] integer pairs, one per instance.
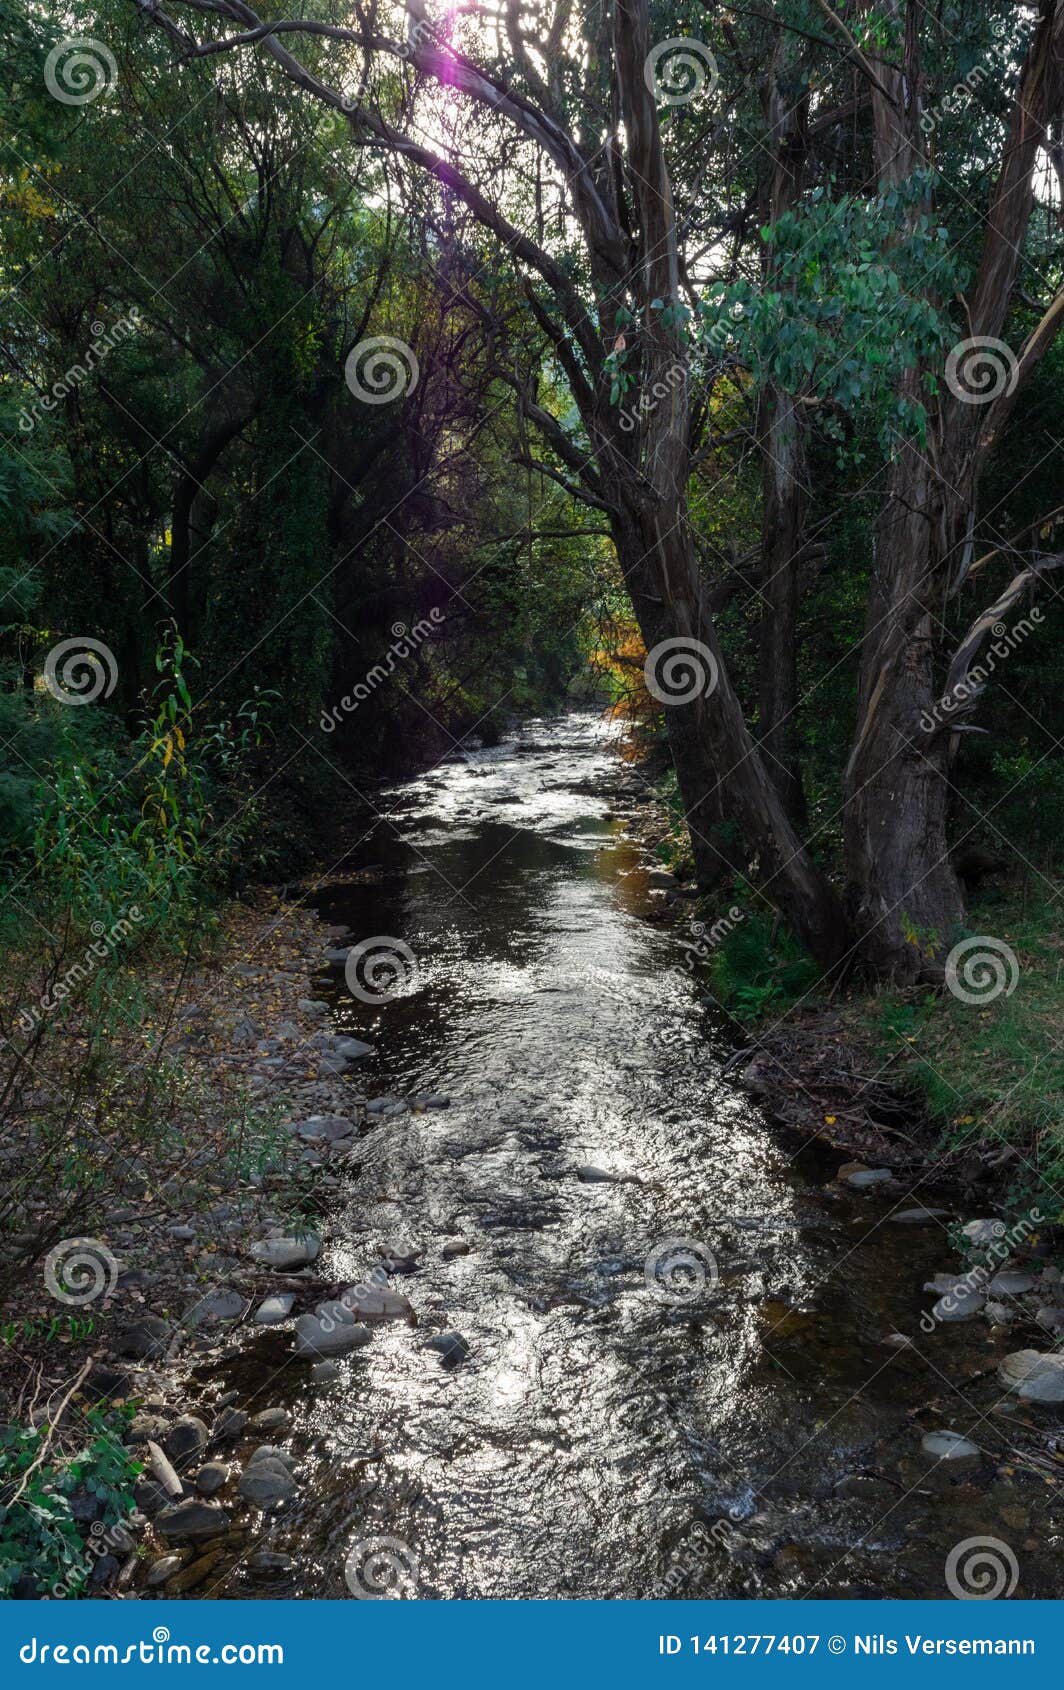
{"points": [[675, 1383]]}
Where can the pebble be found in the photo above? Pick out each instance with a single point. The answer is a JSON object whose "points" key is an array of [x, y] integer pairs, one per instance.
{"points": [[316, 1338], [452, 1347], [265, 1483], [455, 1247], [981, 1233], [274, 1453], [271, 1420], [399, 1258], [325, 1372], [229, 1424], [1051, 1320], [195, 1573], [949, 1446], [1010, 1284], [918, 1217], [191, 1520], [186, 1437], [274, 1309], [1033, 1376], [211, 1477], [165, 1566], [147, 1337], [287, 1252]]}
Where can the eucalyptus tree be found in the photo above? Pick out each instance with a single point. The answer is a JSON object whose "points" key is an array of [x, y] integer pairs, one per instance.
{"points": [[563, 160]]}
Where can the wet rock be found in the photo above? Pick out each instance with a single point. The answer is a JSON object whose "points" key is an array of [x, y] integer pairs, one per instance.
{"points": [[1033, 1376], [265, 1483], [269, 1561], [185, 1438], [949, 1446], [380, 1304], [352, 1050], [1051, 1320], [338, 954], [959, 1305], [270, 1420], [452, 1347], [312, 1006], [999, 1314], [165, 1567], [399, 1258], [588, 1175], [145, 1426], [317, 1337], [151, 1497], [217, 1306], [274, 1309], [859, 1178], [431, 1100], [211, 1477], [324, 1129], [192, 1521], [918, 1217], [183, 1234], [325, 1373], [283, 1253], [898, 1341], [979, 1234], [273, 1453], [192, 1575], [145, 1338], [229, 1424], [1010, 1284], [455, 1247]]}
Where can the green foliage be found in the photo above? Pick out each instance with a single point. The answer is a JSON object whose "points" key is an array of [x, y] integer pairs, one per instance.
{"points": [[759, 968], [40, 1540]]}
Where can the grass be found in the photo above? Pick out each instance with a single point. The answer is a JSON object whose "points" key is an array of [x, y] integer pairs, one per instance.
{"points": [[991, 1073]]}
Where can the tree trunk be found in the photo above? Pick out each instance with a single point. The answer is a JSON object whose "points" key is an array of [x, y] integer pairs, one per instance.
{"points": [[719, 770], [906, 898], [783, 473]]}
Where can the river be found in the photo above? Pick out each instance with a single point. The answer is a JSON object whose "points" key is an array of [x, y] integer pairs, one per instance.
{"points": [[675, 1382]]}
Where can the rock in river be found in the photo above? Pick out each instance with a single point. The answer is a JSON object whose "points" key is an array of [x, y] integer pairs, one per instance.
{"points": [[1033, 1376], [274, 1309], [318, 1336], [949, 1446], [285, 1253], [265, 1483], [192, 1521]]}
